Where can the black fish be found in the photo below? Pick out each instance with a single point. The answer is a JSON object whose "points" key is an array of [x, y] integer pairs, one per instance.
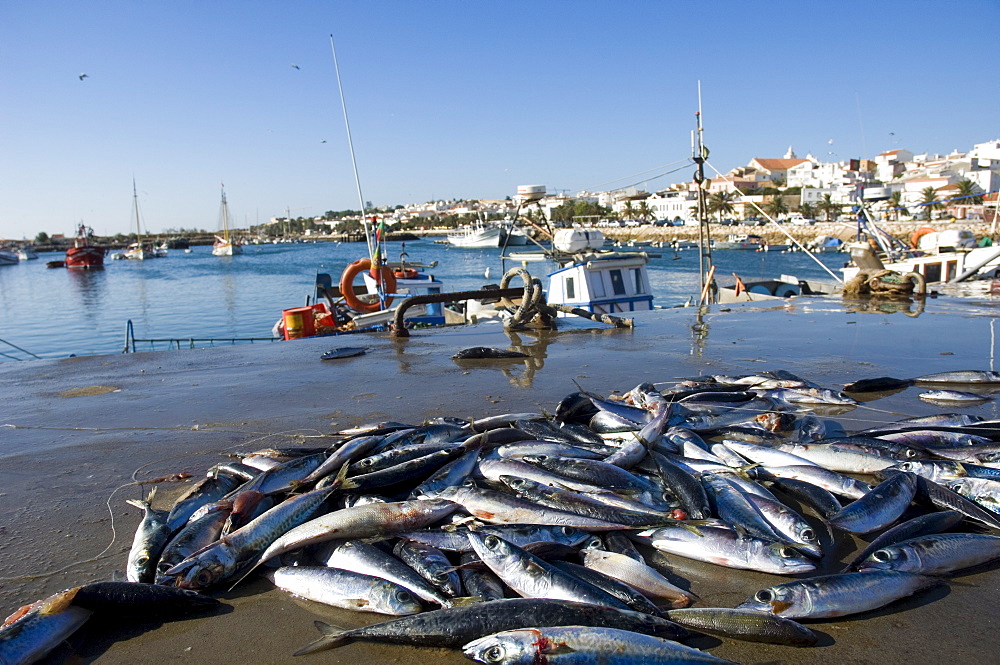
{"points": [[877, 385], [141, 601], [487, 353]]}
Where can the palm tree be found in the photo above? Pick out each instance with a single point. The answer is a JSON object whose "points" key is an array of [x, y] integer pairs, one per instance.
{"points": [[967, 193], [628, 212], [776, 207], [929, 200], [721, 203], [645, 212], [896, 204], [828, 207], [808, 210]]}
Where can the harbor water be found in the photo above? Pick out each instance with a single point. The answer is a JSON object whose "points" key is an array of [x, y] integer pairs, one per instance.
{"points": [[57, 313]]}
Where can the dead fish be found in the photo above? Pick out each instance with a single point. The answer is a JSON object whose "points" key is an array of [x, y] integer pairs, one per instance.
{"points": [[487, 353]]}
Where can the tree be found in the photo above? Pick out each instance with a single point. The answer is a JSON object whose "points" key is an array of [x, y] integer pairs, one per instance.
{"points": [[896, 204], [968, 193], [645, 212], [629, 211], [721, 203], [808, 210], [776, 207], [42, 238], [929, 201], [828, 207]]}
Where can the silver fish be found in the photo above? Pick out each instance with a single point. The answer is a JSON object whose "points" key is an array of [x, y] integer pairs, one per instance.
{"points": [[532, 577], [724, 547], [40, 628], [837, 595], [580, 645], [148, 543], [345, 589], [880, 507], [936, 554]]}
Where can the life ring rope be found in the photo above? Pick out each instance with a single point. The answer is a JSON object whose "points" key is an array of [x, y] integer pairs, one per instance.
{"points": [[382, 275]]}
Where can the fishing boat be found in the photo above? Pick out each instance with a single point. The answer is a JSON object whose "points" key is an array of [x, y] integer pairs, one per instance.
{"points": [[225, 245], [84, 255], [8, 257], [739, 241], [477, 235], [602, 282], [26, 253], [936, 257]]}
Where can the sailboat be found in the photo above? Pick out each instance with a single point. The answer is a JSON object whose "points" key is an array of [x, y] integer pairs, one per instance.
{"points": [[224, 245], [138, 251]]}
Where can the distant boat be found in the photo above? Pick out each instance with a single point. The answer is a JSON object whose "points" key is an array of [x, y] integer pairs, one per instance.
{"points": [[138, 250], [477, 236], [8, 257], [26, 253], [224, 245], [84, 255]]}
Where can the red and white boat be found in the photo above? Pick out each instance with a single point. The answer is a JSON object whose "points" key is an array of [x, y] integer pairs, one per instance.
{"points": [[84, 254]]}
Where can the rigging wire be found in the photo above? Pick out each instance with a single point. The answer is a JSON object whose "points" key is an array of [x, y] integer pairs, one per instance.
{"points": [[684, 162], [770, 219]]}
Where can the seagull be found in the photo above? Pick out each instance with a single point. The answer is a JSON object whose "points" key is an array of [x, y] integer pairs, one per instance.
{"points": [[323, 141], [487, 273], [296, 66], [83, 76]]}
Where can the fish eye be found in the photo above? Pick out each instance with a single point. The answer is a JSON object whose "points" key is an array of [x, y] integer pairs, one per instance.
{"points": [[764, 596], [441, 576], [807, 534], [141, 561], [491, 542], [403, 596], [494, 654], [906, 466], [787, 552], [542, 458], [911, 453], [204, 578], [565, 530], [882, 555]]}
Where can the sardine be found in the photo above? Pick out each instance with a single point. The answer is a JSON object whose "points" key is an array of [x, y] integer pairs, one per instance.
{"points": [[837, 595], [453, 627], [345, 589], [579, 645]]}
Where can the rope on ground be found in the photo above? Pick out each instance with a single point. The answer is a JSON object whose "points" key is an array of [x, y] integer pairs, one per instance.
{"points": [[534, 311]]}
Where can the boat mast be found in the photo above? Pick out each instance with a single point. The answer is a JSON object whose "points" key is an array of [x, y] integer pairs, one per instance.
{"points": [[706, 270], [135, 207], [354, 162], [225, 215]]}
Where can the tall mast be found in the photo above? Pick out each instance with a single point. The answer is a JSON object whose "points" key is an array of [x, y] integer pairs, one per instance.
{"points": [[706, 270], [135, 206]]}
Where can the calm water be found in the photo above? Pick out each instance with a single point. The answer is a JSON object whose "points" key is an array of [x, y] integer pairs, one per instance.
{"points": [[55, 313]]}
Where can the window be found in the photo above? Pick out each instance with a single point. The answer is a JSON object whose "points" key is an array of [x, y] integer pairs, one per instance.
{"points": [[932, 272], [637, 276], [597, 285], [570, 289], [617, 282]]}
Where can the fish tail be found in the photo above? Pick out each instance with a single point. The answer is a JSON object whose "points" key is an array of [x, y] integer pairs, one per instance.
{"points": [[342, 482], [333, 637]]}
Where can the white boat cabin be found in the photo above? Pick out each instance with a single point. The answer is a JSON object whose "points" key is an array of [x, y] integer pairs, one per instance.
{"points": [[604, 283]]}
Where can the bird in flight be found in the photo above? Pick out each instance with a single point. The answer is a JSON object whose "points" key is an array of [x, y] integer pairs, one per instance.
{"points": [[323, 141], [296, 66], [83, 76]]}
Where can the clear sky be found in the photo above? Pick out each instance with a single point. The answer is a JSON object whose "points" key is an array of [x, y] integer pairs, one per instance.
{"points": [[456, 99]]}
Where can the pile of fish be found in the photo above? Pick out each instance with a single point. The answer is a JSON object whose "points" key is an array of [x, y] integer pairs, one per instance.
{"points": [[527, 537]]}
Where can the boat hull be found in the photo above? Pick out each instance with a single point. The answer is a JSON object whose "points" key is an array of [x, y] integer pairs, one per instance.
{"points": [[226, 249], [480, 237], [85, 258]]}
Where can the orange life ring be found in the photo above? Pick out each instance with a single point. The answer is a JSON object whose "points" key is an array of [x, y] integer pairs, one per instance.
{"points": [[383, 275], [918, 234], [408, 273]]}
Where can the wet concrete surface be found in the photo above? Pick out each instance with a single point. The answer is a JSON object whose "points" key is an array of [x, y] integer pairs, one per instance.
{"points": [[76, 433]]}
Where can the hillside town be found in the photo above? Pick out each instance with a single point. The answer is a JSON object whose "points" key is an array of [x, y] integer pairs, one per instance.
{"points": [[898, 184]]}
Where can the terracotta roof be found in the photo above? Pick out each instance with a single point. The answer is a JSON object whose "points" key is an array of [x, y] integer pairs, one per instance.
{"points": [[889, 152], [778, 164]]}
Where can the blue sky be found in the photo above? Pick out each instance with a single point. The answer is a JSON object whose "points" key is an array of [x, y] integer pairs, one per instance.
{"points": [[455, 99]]}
